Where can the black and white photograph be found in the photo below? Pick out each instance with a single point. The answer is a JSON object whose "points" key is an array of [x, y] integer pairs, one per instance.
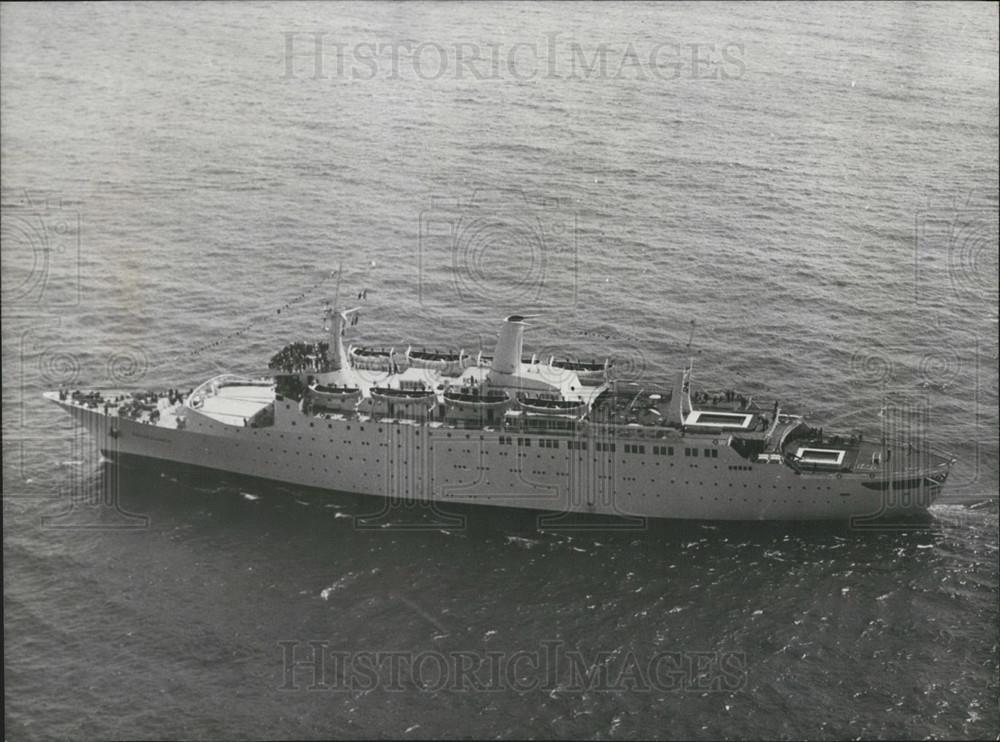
{"points": [[500, 370]]}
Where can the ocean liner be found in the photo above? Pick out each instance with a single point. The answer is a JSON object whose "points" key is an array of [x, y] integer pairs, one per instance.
{"points": [[507, 430]]}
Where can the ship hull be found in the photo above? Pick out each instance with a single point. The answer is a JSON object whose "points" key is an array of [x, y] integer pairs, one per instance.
{"points": [[407, 462]]}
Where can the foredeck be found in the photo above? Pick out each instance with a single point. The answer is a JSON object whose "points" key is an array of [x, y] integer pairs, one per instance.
{"points": [[235, 404]]}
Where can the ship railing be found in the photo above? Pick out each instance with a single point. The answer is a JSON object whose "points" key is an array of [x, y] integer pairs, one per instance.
{"points": [[889, 469], [880, 471], [630, 430]]}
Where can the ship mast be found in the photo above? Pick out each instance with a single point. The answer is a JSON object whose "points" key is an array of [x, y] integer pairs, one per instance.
{"points": [[335, 322]]}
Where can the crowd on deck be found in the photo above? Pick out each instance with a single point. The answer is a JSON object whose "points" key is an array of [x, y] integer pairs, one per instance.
{"points": [[129, 406], [730, 396], [297, 357]]}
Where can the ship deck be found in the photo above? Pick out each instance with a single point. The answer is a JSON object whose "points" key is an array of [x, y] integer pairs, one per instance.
{"points": [[236, 404]]}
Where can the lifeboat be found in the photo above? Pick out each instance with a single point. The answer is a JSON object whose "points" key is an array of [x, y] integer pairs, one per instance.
{"points": [[401, 394], [476, 400], [337, 398], [475, 408], [444, 362], [372, 359], [543, 406], [392, 402], [583, 369]]}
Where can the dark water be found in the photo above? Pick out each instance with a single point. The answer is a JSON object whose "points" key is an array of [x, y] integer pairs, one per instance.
{"points": [[819, 196]]}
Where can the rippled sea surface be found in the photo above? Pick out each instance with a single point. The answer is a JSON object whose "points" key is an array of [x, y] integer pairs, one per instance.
{"points": [[814, 186]]}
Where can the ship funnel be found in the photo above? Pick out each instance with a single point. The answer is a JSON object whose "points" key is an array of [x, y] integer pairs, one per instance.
{"points": [[507, 357]]}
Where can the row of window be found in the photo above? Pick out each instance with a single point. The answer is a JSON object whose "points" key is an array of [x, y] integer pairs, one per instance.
{"points": [[709, 452], [634, 448], [506, 440]]}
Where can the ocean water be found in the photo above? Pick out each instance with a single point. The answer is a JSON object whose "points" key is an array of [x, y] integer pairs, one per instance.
{"points": [[802, 199]]}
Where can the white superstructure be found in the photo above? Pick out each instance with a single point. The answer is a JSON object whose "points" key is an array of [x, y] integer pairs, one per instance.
{"points": [[510, 431]]}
